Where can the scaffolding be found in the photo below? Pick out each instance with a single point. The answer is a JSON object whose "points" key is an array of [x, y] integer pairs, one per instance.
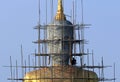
{"points": [[41, 59]]}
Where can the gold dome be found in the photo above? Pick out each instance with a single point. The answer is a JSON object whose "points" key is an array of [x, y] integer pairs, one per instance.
{"points": [[60, 14], [61, 74]]}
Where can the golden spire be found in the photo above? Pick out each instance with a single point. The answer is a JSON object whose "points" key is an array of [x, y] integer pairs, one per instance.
{"points": [[60, 15]]}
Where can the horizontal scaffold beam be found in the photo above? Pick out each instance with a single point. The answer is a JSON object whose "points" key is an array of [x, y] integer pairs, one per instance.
{"points": [[91, 67], [58, 40], [98, 79], [58, 54], [76, 27]]}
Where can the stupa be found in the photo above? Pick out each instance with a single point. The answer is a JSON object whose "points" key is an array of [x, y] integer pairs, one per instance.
{"points": [[61, 53], [60, 39]]}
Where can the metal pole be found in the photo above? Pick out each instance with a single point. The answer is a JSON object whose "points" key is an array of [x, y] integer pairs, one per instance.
{"points": [[11, 68]]}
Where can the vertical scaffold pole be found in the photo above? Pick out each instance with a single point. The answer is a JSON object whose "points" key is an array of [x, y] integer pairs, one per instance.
{"points": [[22, 60], [39, 32], [11, 69], [82, 35]]}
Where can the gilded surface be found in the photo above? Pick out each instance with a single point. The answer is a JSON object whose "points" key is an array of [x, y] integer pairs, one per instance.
{"points": [[60, 15], [61, 74]]}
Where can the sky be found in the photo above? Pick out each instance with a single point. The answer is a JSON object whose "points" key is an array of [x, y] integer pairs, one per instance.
{"points": [[18, 17]]}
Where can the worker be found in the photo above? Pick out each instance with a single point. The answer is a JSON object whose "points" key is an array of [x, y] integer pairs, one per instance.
{"points": [[73, 61]]}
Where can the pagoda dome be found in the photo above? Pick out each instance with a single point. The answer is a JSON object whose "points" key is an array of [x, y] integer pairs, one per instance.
{"points": [[61, 73], [62, 22]]}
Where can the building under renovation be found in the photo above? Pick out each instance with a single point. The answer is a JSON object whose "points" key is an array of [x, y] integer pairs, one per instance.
{"points": [[60, 55]]}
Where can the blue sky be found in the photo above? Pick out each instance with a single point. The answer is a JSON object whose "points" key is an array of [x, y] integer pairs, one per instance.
{"points": [[18, 17]]}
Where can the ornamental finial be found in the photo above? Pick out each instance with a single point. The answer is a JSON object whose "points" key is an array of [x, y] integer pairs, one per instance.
{"points": [[60, 15]]}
